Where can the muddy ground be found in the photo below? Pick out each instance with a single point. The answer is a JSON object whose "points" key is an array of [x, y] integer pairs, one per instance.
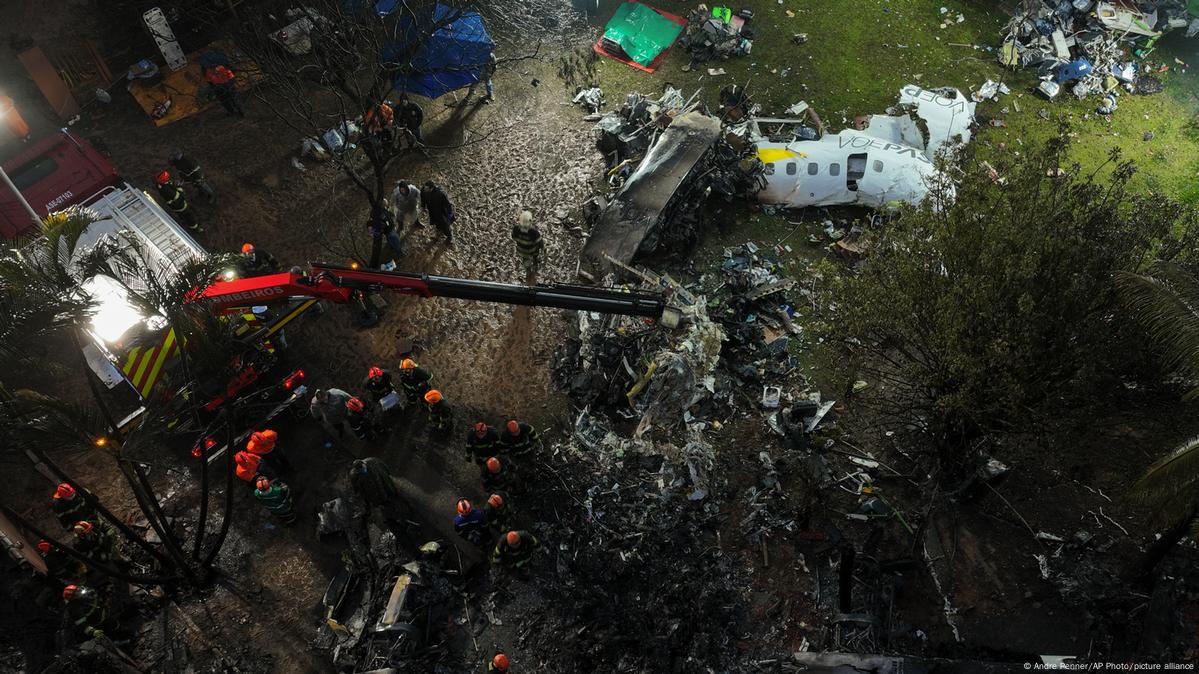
{"points": [[531, 150]]}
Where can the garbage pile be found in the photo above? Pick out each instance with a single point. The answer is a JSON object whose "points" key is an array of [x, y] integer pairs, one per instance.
{"points": [[716, 35], [1082, 45]]}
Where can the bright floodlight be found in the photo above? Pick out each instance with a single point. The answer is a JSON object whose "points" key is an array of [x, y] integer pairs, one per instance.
{"points": [[114, 313]]}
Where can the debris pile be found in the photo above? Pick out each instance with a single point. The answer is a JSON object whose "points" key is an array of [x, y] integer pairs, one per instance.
{"points": [[1081, 45], [716, 35], [381, 611], [642, 583], [665, 159]]}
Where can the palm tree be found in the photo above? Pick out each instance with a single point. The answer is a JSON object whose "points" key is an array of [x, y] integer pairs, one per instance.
{"points": [[40, 297], [1165, 301]]}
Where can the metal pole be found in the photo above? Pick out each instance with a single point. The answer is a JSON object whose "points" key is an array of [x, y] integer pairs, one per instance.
{"points": [[21, 198]]}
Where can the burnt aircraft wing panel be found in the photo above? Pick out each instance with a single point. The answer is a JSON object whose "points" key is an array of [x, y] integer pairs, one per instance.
{"points": [[638, 208]]}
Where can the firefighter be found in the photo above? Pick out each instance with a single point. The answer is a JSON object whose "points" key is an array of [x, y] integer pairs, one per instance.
{"points": [[70, 507], [59, 564], [415, 380], [224, 86], [497, 513], [439, 409], [257, 261], [499, 474], [276, 497], [248, 466], [95, 542], [499, 663], [359, 419], [264, 443], [515, 549], [529, 243], [470, 522], [441, 211], [328, 406], [378, 383], [481, 442], [176, 200], [518, 438], [191, 173], [86, 612]]}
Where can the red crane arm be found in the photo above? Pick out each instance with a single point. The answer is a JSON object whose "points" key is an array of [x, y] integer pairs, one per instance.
{"points": [[338, 284]]}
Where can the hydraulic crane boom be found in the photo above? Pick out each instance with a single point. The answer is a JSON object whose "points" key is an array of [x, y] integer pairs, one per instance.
{"points": [[338, 284]]}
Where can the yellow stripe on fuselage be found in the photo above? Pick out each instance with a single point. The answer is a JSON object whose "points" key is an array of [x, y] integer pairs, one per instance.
{"points": [[770, 155]]}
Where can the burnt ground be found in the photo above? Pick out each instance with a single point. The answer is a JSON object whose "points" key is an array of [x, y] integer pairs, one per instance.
{"points": [[493, 361]]}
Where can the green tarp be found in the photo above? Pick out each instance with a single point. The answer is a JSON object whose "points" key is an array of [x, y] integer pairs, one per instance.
{"points": [[641, 32]]}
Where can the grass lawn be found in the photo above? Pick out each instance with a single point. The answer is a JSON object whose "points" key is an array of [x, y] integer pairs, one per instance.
{"points": [[859, 54]]}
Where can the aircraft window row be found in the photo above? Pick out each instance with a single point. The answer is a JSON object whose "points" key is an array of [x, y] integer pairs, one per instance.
{"points": [[857, 168]]}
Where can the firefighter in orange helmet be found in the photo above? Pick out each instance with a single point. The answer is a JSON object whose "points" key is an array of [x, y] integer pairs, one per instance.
{"points": [[499, 663], [175, 200], [439, 409], [358, 415], [415, 380], [69, 507]]}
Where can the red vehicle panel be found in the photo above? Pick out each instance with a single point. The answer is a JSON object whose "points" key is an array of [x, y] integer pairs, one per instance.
{"points": [[55, 172]]}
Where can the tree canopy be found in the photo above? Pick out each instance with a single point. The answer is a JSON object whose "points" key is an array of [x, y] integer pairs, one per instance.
{"points": [[982, 305]]}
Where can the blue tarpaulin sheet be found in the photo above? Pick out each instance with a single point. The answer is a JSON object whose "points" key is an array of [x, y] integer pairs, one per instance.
{"points": [[451, 58]]}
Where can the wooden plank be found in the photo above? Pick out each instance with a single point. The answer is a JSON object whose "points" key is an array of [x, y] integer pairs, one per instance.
{"points": [[50, 84]]}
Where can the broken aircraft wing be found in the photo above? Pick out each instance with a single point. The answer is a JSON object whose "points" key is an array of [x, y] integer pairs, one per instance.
{"points": [[630, 220]]}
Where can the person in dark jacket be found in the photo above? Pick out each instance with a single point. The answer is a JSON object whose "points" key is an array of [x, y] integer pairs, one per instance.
{"points": [[382, 224], [415, 380], [439, 208], [256, 261], [60, 565], [438, 410], [94, 541], [411, 117], [359, 419], [378, 383], [515, 549], [69, 507], [371, 480], [499, 474], [518, 438], [190, 172], [481, 442], [175, 200], [497, 514], [86, 612]]}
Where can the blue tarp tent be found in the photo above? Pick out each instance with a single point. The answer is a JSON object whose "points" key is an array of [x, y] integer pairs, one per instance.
{"points": [[449, 59]]}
